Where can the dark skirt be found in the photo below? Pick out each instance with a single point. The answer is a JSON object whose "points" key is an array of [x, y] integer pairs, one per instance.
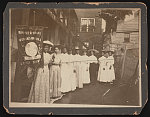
{"points": [[93, 72]]}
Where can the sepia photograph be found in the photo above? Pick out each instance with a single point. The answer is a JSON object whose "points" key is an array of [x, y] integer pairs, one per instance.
{"points": [[75, 57]]}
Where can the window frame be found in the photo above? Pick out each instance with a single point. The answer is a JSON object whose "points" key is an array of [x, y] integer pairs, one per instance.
{"points": [[127, 37], [87, 26]]}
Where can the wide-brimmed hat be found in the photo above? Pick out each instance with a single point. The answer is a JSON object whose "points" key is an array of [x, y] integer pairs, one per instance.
{"points": [[58, 45], [77, 48], [93, 50], [84, 48], [112, 51], [64, 46], [103, 50], [48, 43]]}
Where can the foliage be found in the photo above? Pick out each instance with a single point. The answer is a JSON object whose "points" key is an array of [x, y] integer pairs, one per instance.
{"points": [[111, 17]]}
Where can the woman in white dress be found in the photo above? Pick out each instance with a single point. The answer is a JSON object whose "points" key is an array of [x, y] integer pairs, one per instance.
{"points": [[102, 73], [111, 67], [85, 68], [55, 74], [72, 71], [78, 68], [40, 89], [65, 77]]}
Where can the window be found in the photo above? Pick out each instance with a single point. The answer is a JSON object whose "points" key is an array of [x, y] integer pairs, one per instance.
{"points": [[87, 25], [126, 37]]}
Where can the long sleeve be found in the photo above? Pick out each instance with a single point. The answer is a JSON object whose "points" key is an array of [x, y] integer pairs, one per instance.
{"points": [[47, 58], [112, 60], [56, 59]]}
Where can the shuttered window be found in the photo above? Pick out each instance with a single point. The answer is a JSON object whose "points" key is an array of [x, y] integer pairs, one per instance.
{"points": [[126, 37]]}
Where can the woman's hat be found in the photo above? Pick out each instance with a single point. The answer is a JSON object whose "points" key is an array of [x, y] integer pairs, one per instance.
{"points": [[84, 48], [77, 48], [111, 51], [64, 46], [58, 46], [93, 50], [48, 42], [103, 50]]}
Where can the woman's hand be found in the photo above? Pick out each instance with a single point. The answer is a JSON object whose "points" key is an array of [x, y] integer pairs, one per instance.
{"points": [[30, 72]]}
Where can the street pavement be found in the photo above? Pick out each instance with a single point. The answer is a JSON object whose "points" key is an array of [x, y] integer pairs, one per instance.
{"points": [[102, 94], [89, 94], [99, 94]]}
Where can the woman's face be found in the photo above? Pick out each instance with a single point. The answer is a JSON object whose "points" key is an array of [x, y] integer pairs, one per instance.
{"points": [[70, 52], [46, 48], [106, 55], [77, 51], [110, 53], [64, 50], [84, 53], [57, 50], [92, 53]]}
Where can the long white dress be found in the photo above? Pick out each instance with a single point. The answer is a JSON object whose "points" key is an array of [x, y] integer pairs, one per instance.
{"points": [[65, 77], [102, 73], [40, 89], [85, 69], [78, 69], [72, 72], [111, 71], [55, 76]]}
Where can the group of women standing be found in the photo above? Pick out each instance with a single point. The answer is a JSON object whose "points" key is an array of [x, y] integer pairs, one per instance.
{"points": [[106, 71], [63, 72]]}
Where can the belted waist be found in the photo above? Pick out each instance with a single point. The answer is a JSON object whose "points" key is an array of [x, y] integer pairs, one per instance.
{"points": [[55, 64]]}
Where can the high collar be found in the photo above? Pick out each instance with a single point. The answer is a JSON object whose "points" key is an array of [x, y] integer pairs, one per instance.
{"points": [[45, 52], [84, 55]]}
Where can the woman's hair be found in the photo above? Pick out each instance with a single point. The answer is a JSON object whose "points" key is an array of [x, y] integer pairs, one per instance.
{"points": [[64, 47], [92, 51], [57, 46], [44, 44]]}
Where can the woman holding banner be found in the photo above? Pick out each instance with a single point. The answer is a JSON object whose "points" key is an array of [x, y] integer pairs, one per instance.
{"points": [[39, 92]]}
